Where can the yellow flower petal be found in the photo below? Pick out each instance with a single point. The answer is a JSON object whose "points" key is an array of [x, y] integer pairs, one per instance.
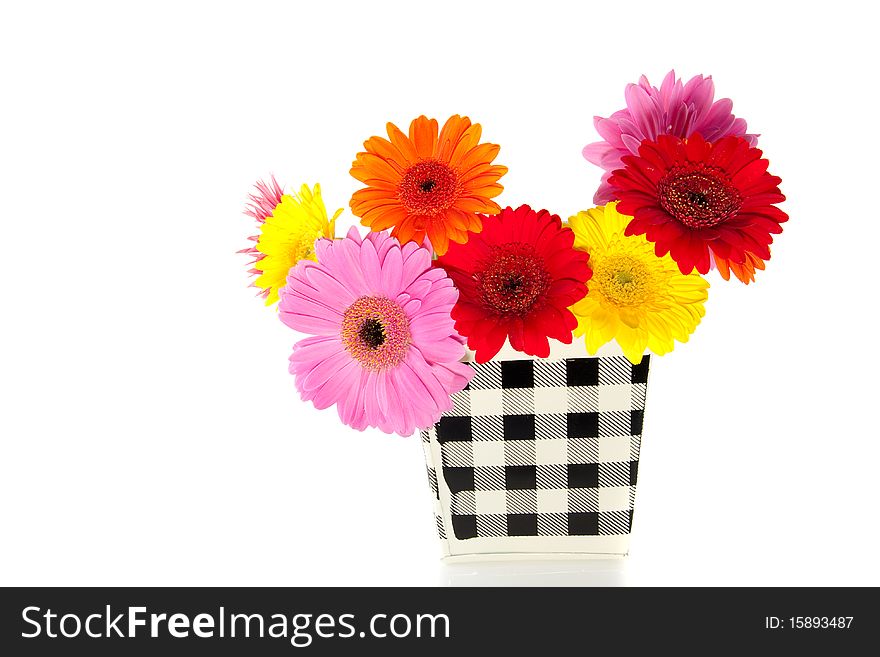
{"points": [[632, 342], [593, 228]]}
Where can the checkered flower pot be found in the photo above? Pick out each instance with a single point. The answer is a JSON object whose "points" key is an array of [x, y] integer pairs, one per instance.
{"points": [[538, 458]]}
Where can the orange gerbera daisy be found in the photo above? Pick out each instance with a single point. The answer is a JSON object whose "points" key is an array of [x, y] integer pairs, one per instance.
{"points": [[428, 184]]}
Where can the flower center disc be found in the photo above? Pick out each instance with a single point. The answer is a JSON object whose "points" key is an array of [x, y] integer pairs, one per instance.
{"points": [[700, 197], [428, 187], [513, 280], [375, 331], [623, 280], [372, 333], [304, 247]]}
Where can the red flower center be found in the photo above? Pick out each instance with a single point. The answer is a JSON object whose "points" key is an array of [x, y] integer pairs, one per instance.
{"points": [[428, 187], [513, 279], [699, 196]]}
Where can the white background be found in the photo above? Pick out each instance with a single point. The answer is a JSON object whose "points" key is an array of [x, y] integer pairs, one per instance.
{"points": [[150, 431]]}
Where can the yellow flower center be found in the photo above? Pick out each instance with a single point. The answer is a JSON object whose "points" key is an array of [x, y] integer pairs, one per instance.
{"points": [[302, 246], [624, 280]]}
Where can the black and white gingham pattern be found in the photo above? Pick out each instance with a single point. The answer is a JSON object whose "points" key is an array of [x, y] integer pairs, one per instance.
{"points": [[543, 448], [432, 482]]}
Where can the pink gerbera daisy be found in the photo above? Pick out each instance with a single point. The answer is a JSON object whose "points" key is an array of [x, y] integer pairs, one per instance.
{"points": [[384, 348], [674, 109]]}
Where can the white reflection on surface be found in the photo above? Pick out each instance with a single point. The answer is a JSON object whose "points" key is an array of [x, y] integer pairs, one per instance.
{"points": [[598, 572]]}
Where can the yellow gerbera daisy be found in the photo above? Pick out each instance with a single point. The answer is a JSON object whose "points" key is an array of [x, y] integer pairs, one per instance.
{"points": [[288, 235], [636, 298]]}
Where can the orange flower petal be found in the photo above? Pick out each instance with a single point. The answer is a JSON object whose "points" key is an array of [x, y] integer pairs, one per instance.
{"points": [[744, 271], [423, 134], [456, 235], [450, 135], [480, 186], [383, 218], [456, 219], [387, 151], [471, 204], [479, 154], [361, 208], [469, 140], [723, 269], [411, 229], [439, 237], [402, 143], [489, 191], [389, 188], [475, 223], [483, 170], [370, 165], [374, 193]]}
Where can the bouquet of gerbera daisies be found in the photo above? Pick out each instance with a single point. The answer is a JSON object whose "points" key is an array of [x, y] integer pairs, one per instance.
{"points": [[451, 314]]}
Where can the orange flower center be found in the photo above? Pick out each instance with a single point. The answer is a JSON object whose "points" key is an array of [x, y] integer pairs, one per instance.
{"points": [[699, 196], [428, 187], [513, 280], [375, 331]]}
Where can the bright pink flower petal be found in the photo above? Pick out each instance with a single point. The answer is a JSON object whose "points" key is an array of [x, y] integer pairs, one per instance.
{"points": [[309, 323], [406, 417], [414, 265], [310, 351], [392, 272], [423, 371], [337, 386], [323, 308], [454, 375], [264, 200], [326, 368], [442, 351], [370, 266]]}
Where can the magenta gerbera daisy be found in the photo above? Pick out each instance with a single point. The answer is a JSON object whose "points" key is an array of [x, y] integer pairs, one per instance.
{"points": [[383, 345], [676, 108]]}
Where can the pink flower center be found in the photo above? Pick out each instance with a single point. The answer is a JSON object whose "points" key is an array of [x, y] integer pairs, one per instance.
{"points": [[513, 279], [428, 187], [699, 196], [375, 331]]}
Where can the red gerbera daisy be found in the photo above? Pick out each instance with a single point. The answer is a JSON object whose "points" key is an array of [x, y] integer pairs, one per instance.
{"points": [[516, 280], [689, 196]]}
